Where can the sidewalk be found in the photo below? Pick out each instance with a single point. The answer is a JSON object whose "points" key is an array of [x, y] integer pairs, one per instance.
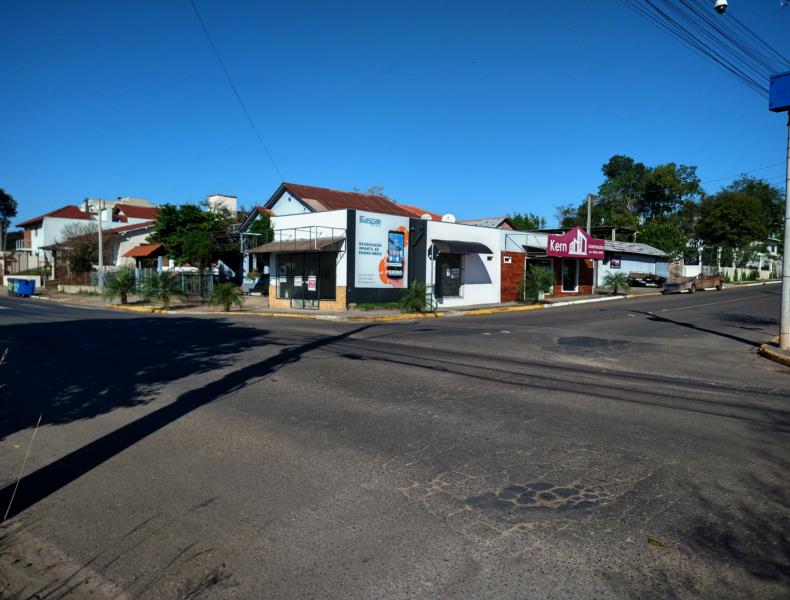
{"points": [[259, 306]]}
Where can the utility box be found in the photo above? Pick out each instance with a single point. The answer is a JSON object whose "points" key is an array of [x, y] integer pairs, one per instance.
{"points": [[779, 93]]}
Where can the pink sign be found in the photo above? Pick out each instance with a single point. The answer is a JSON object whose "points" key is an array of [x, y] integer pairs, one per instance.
{"points": [[575, 243]]}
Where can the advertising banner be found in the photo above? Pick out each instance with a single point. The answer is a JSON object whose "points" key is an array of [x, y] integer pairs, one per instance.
{"points": [[381, 253], [576, 243]]}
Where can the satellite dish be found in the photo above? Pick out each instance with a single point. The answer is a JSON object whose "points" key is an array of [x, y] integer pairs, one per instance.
{"points": [[426, 217], [448, 218]]}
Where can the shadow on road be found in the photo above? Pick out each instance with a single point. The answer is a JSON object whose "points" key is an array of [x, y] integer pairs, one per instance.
{"points": [[662, 319], [114, 383]]}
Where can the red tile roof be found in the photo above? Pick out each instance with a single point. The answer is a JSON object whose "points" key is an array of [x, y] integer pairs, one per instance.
{"points": [[418, 212], [265, 211], [132, 227], [67, 212], [146, 251], [338, 200], [138, 212]]}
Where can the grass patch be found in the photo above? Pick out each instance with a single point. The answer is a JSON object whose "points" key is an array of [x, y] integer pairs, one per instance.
{"points": [[378, 305], [88, 293]]}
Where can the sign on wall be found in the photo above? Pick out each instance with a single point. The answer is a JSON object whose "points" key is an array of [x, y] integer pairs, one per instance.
{"points": [[575, 243], [382, 251]]}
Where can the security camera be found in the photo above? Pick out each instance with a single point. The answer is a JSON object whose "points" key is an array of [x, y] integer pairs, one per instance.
{"points": [[720, 6]]}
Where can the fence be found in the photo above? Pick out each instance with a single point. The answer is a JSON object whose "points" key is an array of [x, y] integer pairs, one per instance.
{"points": [[188, 282]]}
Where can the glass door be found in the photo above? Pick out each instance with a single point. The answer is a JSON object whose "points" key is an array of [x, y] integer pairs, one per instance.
{"points": [[570, 274], [304, 281]]}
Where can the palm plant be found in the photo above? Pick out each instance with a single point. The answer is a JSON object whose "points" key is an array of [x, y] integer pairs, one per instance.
{"points": [[225, 294], [164, 286], [414, 298], [616, 282], [120, 284]]}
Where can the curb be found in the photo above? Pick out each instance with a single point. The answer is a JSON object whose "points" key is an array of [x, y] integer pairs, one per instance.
{"points": [[766, 351], [739, 285], [504, 309], [142, 309]]}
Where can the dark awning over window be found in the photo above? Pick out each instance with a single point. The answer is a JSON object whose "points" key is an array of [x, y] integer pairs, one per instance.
{"points": [[312, 245], [458, 247]]}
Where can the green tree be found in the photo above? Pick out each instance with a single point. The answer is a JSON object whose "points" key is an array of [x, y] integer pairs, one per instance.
{"points": [[733, 219], [527, 221], [8, 208], [665, 188], [262, 226], [190, 234], [770, 197], [665, 234]]}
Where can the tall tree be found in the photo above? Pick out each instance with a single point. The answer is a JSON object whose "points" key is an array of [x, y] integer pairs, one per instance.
{"points": [[732, 219], [770, 197], [190, 234], [527, 221], [8, 208]]}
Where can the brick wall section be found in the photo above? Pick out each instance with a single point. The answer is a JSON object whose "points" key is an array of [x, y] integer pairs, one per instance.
{"points": [[339, 303], [511, 276]]}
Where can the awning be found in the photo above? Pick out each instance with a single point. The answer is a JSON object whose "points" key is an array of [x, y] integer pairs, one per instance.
{"points": [[146, 251], [459, 247], [313, 245]]}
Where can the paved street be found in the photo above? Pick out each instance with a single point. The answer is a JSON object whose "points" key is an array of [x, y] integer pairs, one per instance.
{"points": [[625, 449]]}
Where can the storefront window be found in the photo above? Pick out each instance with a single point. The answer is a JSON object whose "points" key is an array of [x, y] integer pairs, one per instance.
{"points": [[309, 276]]}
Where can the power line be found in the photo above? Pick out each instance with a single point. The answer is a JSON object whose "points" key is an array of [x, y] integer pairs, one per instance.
{"points": [[235, 91]]}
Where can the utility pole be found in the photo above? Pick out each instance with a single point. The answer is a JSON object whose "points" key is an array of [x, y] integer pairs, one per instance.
{"points": [[589, 212], [101, 249], [779, 101], [784, 321]]}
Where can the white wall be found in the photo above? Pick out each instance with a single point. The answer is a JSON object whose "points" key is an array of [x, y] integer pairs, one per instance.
{"points": [[477, 268], [288, 205], [631, 263]]}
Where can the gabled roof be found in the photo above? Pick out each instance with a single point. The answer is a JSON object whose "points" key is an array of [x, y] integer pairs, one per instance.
{"points": [[322, 199], [131, 211], [67, 212], [418, 212], [146, 251], [132, 227], [495, 222]]}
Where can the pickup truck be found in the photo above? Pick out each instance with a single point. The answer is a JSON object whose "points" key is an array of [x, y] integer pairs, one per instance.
{"points": [[692, 284]]}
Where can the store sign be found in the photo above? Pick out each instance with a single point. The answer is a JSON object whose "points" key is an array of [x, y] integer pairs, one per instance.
{"points": [[576, 243], [381, 254]]}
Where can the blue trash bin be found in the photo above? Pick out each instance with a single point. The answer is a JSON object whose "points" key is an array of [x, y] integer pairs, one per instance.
{"points": [[25, 287]]}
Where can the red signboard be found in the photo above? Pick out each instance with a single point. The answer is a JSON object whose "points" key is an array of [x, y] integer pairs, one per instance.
{"points": [[575, 243]]}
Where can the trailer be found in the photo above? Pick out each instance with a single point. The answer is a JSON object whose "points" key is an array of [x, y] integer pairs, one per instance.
{"points": [[678, 284]]}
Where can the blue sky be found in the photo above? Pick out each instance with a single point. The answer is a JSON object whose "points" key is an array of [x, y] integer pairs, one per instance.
{"points": [[479, 109]]}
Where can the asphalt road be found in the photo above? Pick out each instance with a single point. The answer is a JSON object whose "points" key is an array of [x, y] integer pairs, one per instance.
{"points": [[626, 449]]}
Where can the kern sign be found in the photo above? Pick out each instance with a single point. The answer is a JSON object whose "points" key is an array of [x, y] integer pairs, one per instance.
{"points": [[576, 243]]}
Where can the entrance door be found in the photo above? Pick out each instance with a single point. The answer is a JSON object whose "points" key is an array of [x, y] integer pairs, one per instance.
{"points": [[449, 275], [570, 274], [304, 281]]}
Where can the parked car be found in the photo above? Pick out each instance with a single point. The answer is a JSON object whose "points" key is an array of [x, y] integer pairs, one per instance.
{"points": [[693, 284]]}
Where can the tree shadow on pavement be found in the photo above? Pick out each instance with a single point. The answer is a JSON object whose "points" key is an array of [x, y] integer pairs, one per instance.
{"points": [[79, 369], [205, 342]]}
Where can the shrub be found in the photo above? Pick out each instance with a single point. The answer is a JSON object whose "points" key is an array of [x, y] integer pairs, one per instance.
{"points": [[616, 282], [119, 284], [163, 286], [536, 280], [225, 294], [414, 298]]}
